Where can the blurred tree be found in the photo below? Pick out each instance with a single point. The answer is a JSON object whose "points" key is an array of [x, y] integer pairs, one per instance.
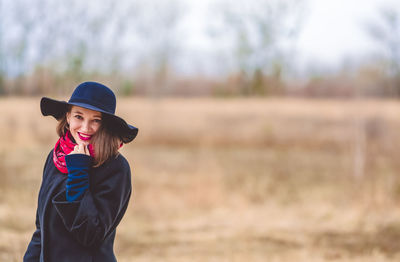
{"points": [[71, 38], [260, 30], [157, 25], [386, 33], [2, 55], [47, 44]]}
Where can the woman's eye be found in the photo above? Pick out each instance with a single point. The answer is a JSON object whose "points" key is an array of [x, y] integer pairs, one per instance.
{"points": [[78, 117], [97, 120]]}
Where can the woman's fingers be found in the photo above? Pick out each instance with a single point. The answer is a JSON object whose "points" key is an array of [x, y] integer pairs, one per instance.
{"points": [[85, 148], [81, 149], [76, 150]]}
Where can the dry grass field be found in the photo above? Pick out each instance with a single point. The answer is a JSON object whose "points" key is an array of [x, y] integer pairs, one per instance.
{"points": [[231, 179]]}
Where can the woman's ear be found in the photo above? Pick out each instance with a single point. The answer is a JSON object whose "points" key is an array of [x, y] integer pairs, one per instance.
{"points": [[68, 116]]}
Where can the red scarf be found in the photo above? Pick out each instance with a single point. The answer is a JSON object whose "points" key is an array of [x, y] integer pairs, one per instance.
{"points": [[63, 147]]}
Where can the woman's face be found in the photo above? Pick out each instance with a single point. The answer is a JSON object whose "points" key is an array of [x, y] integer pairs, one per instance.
{"points": [[83, 124]]}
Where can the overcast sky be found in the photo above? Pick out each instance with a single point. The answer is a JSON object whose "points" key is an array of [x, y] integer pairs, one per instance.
{"points": [[331, 30], [334, 29]]}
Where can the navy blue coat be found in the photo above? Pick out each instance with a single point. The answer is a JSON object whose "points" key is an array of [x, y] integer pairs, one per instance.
{"points": [[81, 230]]}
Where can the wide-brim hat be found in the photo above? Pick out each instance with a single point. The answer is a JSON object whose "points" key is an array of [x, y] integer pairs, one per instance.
{"points": [[94, 96]]}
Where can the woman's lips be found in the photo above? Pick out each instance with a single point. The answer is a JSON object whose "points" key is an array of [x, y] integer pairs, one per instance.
{"points": [[84, 137]]}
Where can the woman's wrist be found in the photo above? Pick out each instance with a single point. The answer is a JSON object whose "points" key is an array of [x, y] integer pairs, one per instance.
{"points": [[77, 160]]}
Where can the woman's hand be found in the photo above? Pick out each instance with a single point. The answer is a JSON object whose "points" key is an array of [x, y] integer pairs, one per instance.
{"points": [[80, 149]]}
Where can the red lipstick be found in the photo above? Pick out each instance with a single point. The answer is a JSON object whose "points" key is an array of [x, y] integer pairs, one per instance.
{"points": [[85, 137]]}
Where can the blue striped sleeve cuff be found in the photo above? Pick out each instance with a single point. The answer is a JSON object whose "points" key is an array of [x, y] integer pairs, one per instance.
{"points": [[78, 176]]}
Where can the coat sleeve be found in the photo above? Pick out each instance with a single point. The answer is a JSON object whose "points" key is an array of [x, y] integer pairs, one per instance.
{"points": [[92, 218], [32, 253]]}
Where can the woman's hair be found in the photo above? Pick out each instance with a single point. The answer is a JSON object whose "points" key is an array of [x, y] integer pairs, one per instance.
{"points": [[105, 143]]}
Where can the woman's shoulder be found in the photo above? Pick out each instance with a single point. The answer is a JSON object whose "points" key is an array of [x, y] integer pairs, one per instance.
{"points": [[119, 160], [118, 164], [115, 171], [49, 156]]}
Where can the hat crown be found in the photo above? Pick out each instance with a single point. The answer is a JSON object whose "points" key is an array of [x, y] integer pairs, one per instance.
{"points": [[95, 94]]}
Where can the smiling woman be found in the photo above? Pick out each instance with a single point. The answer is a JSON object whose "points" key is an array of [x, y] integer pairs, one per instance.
{"points": [[86, 182]]}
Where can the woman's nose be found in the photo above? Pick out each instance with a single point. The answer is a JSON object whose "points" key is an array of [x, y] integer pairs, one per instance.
{"points": [[85, 126]]}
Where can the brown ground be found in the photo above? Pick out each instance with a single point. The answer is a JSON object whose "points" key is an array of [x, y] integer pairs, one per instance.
{"points": [[231, 180]]}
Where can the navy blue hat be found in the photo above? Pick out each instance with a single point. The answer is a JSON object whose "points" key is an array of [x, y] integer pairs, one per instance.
{"points": [[94, 96]]}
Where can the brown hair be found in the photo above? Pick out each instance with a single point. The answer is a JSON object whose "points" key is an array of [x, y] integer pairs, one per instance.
{"points": [[105, 143]]}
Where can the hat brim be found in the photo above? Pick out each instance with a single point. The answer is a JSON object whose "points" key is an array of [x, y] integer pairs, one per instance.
{"points": [[114, 123]]}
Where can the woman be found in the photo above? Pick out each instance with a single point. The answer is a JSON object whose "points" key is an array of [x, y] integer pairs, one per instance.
{"points": [[86, 183]]}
